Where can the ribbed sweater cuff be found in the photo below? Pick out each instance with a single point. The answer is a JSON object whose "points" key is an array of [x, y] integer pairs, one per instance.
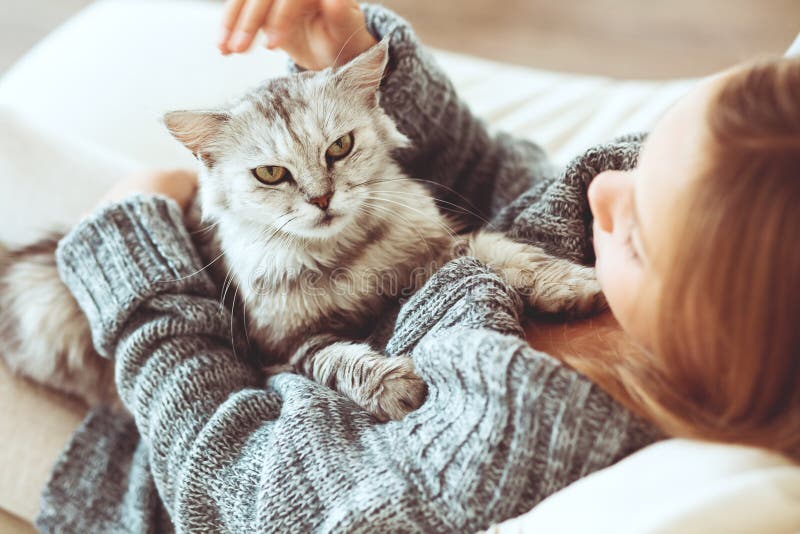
{"points": [[417, 94], [124, 254], [383, 23]]}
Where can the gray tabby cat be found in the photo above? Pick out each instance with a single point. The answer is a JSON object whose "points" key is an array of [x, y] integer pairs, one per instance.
{"points": [[320, 232]]}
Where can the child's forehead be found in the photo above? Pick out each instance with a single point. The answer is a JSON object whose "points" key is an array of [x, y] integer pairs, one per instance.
{"points": [[678, 140]]}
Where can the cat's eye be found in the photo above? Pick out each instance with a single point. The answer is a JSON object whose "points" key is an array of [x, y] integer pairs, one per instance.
{"points": [[340, 148], [271, 174]]}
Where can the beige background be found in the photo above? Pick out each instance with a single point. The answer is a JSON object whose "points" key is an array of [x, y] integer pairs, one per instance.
{"points": [[625, 38]]}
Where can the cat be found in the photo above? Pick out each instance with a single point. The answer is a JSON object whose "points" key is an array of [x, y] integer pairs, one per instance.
{"points": [[317, 229]]}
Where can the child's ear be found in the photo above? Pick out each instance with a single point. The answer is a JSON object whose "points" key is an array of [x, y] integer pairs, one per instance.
{"points": [[195, 129], [363, 74]]}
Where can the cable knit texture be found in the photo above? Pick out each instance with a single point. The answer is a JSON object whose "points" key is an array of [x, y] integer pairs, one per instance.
{"points": [[212, 449]]}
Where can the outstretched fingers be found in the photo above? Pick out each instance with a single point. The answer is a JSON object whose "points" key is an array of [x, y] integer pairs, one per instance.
{"points": [[240, 23], [230, 14]]}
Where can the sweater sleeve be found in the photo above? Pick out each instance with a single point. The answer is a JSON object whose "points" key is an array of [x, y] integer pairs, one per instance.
{"points": [[134, 271], [451, 149], [519, 424], [502, 428]]}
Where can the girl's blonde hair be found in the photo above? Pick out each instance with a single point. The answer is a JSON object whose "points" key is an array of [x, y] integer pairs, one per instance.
{"points": [[725, 362]]}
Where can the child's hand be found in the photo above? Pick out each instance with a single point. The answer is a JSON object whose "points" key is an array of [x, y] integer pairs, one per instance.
{"points": [[315, 33], [179, 185]]}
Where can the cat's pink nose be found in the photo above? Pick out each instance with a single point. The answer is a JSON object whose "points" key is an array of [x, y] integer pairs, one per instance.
{"points": [[321, 201]]}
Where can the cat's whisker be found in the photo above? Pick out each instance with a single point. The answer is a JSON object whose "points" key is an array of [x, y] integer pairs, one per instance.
{"points": [[366, 183], [244, 323], [392, 214], [320, 101], [346, 42], [447, 228], [226, 286], [197, 271], [367, 208], [442, 225], [455, 207], [229, 277], [204, 229], [228, 274], [233, 310], [227, 283], [332, 70], [275, 232], [328, 114]]}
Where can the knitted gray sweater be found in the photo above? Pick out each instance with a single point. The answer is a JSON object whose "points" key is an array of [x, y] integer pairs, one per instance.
{"points": [[211, 449]]}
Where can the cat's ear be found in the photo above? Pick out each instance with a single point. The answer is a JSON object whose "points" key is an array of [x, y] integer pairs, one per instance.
{"points": [[364, 73], [195, 129]]}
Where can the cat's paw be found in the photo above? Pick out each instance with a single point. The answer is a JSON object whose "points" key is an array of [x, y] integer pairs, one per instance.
{"points": [[574, 292], [553, 285], [394, 389], [546, 283]]}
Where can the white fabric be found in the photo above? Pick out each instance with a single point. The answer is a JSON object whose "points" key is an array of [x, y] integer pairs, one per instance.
{"points": [[676, 486], [47, 181], [794, 49], [82, 109]]}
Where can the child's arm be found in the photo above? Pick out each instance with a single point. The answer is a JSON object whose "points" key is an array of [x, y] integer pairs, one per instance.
{"points": [[449, 145], [451, 149], [229, 455]]}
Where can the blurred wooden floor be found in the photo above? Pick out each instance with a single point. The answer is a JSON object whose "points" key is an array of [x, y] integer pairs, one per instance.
{"points": [[626, 38]]}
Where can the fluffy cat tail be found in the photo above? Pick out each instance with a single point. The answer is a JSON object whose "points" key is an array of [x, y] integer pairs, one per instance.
{"points": [[43, 332]]}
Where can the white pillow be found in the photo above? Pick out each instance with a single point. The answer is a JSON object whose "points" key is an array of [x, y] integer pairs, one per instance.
{"points": [[676, 486]]}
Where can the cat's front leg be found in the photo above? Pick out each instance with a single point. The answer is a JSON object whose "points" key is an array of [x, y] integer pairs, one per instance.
{"points": [[548, 284], [386, 387]]}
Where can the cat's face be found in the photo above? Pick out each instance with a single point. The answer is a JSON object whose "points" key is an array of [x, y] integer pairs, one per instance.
{"points": [[302, 155]]}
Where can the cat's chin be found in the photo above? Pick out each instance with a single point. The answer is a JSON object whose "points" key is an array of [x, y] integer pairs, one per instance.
{"points": [[324, 227]]}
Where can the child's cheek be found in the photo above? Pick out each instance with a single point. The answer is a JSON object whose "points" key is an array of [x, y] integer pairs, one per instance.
{"points": [[600, 243], [613, 273]]}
